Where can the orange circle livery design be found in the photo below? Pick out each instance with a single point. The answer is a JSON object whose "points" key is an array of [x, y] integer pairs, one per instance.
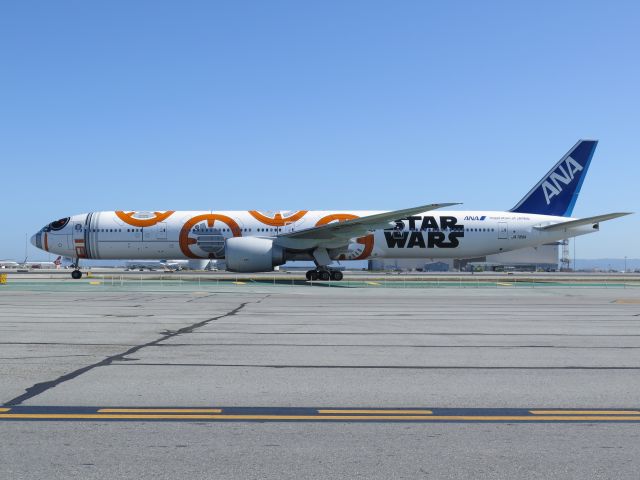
{"points": [[277, 220], [130, 218], [186, 241], [367, 240]]}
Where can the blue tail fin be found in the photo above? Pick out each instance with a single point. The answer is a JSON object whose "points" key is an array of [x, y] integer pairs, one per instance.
{"points": [[557, 192]]}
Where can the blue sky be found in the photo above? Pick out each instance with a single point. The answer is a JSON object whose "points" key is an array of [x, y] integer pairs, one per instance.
{"points": [[316, 105]]}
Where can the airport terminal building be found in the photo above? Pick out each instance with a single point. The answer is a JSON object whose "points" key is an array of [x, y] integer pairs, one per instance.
{"points": [[543, 258]]}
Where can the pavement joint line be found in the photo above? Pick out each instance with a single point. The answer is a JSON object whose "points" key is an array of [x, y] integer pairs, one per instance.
{"points": [[585, 412], [353, 418]]}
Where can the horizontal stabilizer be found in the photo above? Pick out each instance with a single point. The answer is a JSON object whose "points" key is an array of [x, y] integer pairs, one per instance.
{"points": [[583, 221]]}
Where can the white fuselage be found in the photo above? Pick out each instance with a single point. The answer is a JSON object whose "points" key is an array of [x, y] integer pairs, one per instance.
{"points": [[202, 234]]}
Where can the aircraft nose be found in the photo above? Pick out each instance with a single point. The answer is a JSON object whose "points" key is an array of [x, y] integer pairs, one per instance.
{"points": [[33, 239]]}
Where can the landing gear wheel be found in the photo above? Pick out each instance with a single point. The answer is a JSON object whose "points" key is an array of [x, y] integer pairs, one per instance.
{"points": [[324, 275], [312, 275], [76, 274], [336, 275]]}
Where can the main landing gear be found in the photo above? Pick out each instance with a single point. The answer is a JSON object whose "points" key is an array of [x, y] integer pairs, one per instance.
{"points": [[76, 274], [324, 274]]}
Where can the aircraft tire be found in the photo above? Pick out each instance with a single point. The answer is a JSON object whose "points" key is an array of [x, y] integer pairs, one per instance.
{"points": [[336, 275], [76, 274], [324, 275]]}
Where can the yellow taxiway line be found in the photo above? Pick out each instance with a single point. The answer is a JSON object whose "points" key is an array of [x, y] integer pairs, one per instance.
{"points": [[381, 412], [160, 410]]}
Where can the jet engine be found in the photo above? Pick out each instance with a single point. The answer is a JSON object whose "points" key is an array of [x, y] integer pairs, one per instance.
{"points": [[252, 254]]}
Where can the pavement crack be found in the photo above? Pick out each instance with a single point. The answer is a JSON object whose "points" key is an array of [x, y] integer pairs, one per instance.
{"points": [[42, 387]]}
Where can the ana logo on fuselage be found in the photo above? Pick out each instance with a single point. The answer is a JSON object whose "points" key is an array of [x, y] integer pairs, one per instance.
{"points": [[562, 175]]}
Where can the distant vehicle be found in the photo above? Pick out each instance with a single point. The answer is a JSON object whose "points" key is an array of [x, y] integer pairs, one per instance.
{"points": [[254, 241]]}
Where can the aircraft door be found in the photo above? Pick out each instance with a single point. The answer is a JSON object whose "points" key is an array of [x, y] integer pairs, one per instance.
{"points": [[290, 227], [161, 231], [503, 230], [78, 240], [155, 232]]}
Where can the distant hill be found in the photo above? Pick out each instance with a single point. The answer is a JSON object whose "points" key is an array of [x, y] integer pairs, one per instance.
{"points": [[606, 263]]}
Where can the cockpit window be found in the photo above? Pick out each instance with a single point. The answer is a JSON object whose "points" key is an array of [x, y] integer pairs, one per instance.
{"points": [[58, 224]]}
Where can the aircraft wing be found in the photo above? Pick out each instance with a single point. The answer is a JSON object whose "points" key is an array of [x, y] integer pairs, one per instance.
{"points": [[345, 230], [583, 221]]}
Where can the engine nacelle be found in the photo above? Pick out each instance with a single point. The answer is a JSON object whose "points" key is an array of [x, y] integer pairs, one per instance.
{"points": [[252, 254]]}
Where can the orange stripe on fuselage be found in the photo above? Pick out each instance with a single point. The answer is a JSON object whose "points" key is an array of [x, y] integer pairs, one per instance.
{"points": [[277, 220], [184, 240], [340, 217], [367, 240], [127, 217]]}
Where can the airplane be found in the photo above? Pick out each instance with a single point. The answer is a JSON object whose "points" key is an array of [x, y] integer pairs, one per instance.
{"points": [[141, 265], [254, 241], [33, 264], [171, 265], [9, 264]]}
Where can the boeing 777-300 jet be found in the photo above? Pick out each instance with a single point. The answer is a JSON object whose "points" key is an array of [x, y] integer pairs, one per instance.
{"points": [[255, 241]]}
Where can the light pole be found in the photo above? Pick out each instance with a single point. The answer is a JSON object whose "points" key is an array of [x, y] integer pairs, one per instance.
{"points": [[625, 264]]}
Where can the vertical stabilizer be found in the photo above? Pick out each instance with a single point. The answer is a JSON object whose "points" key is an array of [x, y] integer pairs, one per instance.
{"points": [[557, 192]]}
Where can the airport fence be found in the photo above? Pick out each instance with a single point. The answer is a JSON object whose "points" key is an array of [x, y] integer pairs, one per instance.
{"points": [[177, 281], [409, 281]]}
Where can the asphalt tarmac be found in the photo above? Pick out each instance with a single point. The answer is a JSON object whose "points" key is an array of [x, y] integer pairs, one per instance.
{"points": [[273, 381]]}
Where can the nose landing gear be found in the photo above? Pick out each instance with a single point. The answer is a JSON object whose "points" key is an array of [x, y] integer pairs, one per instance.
{"points": [[76, 274]]}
